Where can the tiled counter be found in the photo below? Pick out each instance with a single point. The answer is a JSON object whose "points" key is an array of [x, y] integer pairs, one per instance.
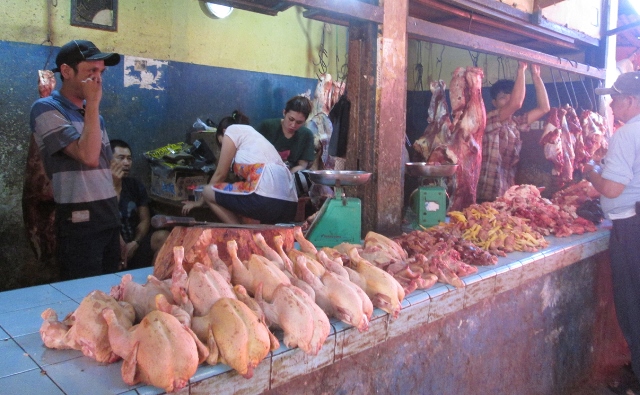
{"points": [[27, 367]]}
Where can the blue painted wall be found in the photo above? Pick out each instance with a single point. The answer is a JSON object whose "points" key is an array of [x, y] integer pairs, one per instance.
{"points": [[147, 119]]}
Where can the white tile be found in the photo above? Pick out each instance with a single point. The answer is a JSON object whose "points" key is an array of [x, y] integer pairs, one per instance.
{"points": [[31, 382], [78, 289], [417, 297], [446, 304], [232, 383], [14, 359], [351, 341], [32, 344], [24, 298], [477, 291], [287, 366], [411, 317], [84, 375], [572, 254], [206, 371], [508, 277], [24, 322]]}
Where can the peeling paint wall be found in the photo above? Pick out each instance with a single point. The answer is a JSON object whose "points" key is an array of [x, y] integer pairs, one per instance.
{"points": [[196, 67]]}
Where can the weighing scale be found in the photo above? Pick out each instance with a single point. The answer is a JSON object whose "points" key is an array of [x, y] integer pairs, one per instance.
{"points": [[429, 202], [339, 220]]}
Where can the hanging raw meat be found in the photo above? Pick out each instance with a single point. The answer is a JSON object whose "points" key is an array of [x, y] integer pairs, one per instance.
{"points": [[559, 144], [458, 142], [466, 141], [439, 128], [595, 134]]}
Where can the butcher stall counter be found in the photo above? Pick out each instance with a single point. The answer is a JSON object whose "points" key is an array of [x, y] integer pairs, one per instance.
{"points": [[535, 323]]}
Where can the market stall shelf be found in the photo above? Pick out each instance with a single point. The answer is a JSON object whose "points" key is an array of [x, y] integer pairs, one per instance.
{"points": [[33, 367]]}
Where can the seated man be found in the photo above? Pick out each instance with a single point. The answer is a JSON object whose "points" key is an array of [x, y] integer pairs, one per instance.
{"points": [[291, 139], [138, 245]]}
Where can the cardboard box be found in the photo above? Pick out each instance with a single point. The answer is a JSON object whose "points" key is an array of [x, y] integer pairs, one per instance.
{"points": [[174, 184]]}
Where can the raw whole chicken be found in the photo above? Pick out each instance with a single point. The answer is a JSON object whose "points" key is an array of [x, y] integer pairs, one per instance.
{"points": [[374, 240], [305, 325], [336, 296], [316, 267], [383, 290], [271, 254], [218, 264], [159, 351], [205, 287], [257, 270], [234, 335], [141, 296], [85, 329]]}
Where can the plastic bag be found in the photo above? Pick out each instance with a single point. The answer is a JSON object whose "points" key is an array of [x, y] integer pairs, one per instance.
{"points": [[591, 210], [199, 125]]}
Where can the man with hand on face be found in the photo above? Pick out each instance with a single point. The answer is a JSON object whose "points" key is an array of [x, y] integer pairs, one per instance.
{"points": [[293, 141], [75, 149]]}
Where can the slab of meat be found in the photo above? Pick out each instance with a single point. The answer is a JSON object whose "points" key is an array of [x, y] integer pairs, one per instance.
{"points": [[466, 141], [595, 134], [438, 130]]}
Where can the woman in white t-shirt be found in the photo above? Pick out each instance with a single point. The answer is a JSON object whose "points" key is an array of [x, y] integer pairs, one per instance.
{"points": [[266, 190]]}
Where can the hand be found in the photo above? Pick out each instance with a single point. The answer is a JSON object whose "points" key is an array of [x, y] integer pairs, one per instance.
{"points": [[535, 70], [187, 205], [92, 89], [132, 247], [117, 171], [522, 65]]}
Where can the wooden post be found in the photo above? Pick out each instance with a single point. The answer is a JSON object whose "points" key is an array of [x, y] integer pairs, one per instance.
{"points": [[391, 116]]}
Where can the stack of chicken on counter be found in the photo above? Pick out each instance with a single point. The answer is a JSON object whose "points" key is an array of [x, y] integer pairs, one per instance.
{"points": [[218, 295]]}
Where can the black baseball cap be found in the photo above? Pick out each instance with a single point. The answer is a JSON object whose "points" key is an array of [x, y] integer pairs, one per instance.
{"points": [[77, 51], [626, 84]]}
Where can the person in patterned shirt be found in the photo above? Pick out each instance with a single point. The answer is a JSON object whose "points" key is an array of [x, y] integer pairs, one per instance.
{"points": [[501, 142]]}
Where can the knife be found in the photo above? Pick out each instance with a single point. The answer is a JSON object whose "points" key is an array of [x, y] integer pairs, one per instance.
{"points": [[165, 221]]}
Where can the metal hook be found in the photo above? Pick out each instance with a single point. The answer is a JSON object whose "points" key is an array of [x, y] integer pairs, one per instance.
{"points": [[555, 86], [567, 89], [439, 60], [574, 92], [587, 92]]}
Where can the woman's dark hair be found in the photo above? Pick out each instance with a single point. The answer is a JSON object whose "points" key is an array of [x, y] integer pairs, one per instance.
{"points": [[298, 104], [236, 118], [501, 86]]}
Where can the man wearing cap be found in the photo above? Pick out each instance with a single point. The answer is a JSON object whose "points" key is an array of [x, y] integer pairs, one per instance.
{"points": [[619, 185], [72, 139]]}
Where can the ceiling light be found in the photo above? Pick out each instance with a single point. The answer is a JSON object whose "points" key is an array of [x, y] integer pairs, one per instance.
{"points": [[219, 11], [636, 5]]}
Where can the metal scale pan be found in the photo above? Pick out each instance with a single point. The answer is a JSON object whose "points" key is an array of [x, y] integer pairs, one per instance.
{"points": [[339, 220]]}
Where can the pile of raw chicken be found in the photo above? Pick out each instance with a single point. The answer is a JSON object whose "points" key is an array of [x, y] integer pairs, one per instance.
{"points": [[218, 311], [212, 306]]}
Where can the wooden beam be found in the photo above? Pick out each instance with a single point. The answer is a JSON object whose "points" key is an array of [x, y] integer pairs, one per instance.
{"points": [[431, 32], [539, 4], [623, 28], [391, 117], [341, 9], [361, 92]]}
